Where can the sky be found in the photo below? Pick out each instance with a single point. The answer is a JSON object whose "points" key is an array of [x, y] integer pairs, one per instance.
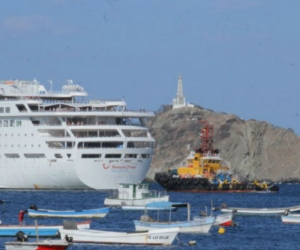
{"points": [[240, 57]]}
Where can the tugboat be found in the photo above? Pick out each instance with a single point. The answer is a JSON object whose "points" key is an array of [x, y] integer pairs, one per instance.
{"points": [[205, 170]]}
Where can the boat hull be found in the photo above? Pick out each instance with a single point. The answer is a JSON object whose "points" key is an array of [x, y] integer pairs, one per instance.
{"points": [[38, 245], [90, 213], [154, 237], [171, 183], [260, 211], [224, 220], [193, 226], [72, 174]]}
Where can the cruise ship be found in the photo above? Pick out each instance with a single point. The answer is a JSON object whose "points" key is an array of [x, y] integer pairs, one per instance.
{"points": [[60, 140]]}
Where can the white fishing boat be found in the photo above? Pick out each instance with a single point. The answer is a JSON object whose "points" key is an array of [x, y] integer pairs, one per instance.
{"points": [[131, 194], [200, 225], [60, 140], [260, 211], [224, 220], [163, 237]]}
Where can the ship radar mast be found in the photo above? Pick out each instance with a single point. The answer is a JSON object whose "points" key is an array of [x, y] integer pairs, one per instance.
{"points": [[207, 138]]}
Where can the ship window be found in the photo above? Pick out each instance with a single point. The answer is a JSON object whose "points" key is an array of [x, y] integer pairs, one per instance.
{"points": [[0, 123], [5, 123], [35, 123], [58, 155], [112, 145], [89, 145], [7, 110], [145, 156], [130, 156], [18, 123], [125, 186], [135, 133], [1, 110], [12, 155], [91, 156], [21, 108], [139, 144], [34, 156], [12, 123], [113, 156]]}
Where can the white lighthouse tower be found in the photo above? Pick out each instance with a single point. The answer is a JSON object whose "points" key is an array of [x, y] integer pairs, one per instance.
{"points": [[179, 100]]}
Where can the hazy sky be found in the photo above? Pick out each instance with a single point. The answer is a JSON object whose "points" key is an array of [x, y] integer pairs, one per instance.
{"points": [[235, 56]]}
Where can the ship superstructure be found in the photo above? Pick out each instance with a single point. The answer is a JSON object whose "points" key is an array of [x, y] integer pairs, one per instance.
{"points": [[57, 140]]}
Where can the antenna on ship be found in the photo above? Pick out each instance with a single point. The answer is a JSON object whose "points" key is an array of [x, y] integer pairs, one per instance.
{"points": [[50, 85]]}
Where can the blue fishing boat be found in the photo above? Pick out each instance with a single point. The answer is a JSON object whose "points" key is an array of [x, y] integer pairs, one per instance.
{"points": [[84, 213], [34, 230]]}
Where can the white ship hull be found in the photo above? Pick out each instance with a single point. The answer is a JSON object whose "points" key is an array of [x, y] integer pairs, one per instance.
{"points": [[77, 174]]}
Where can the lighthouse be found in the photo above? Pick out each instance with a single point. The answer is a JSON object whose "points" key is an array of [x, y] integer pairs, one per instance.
{"points": [[179, 100]]}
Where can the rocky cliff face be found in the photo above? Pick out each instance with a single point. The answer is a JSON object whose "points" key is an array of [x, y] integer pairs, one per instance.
{"points": [[256, 150]]}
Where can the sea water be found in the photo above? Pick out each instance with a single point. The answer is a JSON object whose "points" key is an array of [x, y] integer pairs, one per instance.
{"points": [[250, 232]]}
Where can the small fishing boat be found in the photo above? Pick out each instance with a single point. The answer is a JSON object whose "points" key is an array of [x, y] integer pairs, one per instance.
{"points": [[131, 194], [260, 211], [224, 220], [154, 237], [32, 231], [290, 218], [46, 244], [22, 243], [84, 213], [200, 225]]}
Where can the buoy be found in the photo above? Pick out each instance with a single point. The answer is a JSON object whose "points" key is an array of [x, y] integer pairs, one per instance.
{"points": [[221, 230], [192, 243]]}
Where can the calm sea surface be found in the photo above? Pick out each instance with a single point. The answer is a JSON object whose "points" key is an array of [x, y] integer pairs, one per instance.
{"points": [[250, 233]]}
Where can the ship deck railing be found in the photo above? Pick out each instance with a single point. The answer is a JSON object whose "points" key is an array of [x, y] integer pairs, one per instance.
{"points": [[89, 124], [56, 147], [115, 194], [87, 110]]}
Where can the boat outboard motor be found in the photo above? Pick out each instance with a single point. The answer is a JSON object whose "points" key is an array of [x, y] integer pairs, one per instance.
{"points": [[21, 236], [33, 206], [202, 214], [68, 238]]}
